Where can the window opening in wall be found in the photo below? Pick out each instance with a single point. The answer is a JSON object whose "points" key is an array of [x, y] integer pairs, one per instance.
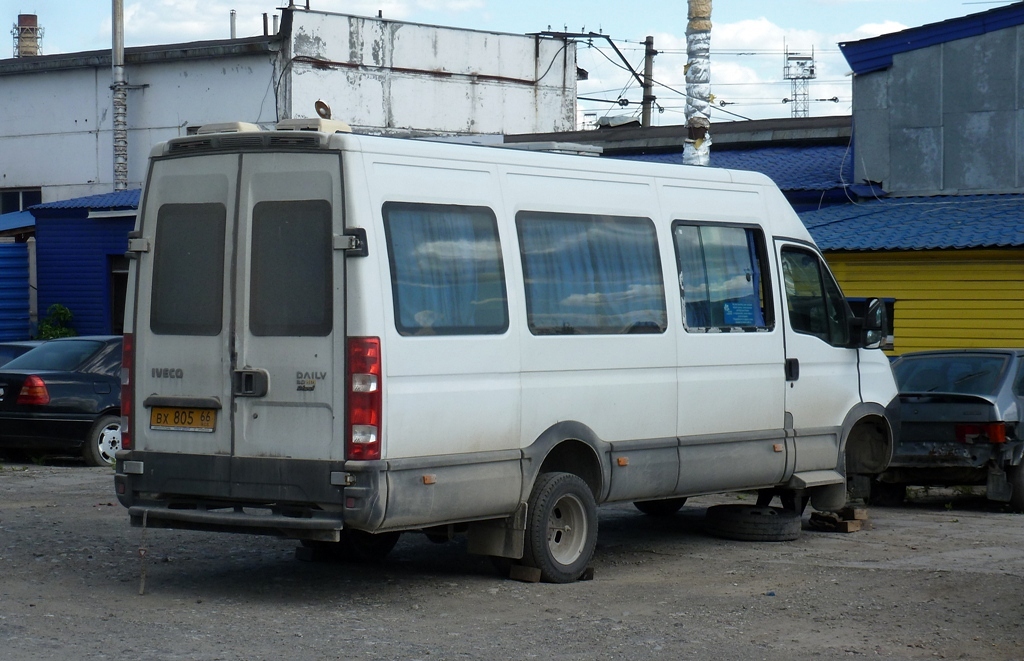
{"points": [[19, 199]]}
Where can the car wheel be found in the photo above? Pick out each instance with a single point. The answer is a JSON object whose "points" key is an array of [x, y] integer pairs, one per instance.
{"points": [[750, 523], [887, 494], [103, 442], [666, 507], [561, 528]]}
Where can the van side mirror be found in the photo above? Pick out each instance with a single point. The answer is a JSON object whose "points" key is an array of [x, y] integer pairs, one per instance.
{"points": [[874, 326]]}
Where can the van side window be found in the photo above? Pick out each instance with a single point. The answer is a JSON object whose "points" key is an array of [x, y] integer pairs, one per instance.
{"points": [[587, 274], [188, 270], [291, 290], [815, 302], [447, 276], [722, 278]]}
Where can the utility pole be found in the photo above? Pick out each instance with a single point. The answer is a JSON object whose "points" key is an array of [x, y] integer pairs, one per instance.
{"points": [[648, 85]]}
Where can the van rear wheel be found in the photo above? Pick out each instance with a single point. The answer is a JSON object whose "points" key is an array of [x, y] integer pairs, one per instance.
{"points": [[561, 528]]}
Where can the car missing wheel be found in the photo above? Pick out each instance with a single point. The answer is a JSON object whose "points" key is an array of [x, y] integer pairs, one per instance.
{"points": [[960, 414]]}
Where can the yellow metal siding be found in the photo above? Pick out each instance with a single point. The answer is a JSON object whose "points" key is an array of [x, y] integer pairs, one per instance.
{"points": [[944, 298]]}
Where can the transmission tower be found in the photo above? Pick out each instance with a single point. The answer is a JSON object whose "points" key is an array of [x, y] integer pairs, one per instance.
{"points": [[799, 68]]}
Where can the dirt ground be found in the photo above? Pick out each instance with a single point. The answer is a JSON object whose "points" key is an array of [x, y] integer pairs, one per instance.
{"points": [[942, 577]]}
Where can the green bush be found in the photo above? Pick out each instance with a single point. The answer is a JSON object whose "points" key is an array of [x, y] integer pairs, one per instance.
{"points": [[57, 323]]}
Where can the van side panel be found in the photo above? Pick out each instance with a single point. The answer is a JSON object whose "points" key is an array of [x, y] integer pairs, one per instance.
{"points": [[451, 399], [731, 384], [621, 386]]}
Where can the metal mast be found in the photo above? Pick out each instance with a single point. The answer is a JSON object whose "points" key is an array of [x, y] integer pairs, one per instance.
{"points": [[799, 68], [120, 102]]}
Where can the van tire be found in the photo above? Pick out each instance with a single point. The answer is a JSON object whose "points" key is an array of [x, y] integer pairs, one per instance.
{"points": [[750, 523], [660, 508], [561, 527], [103, 441]]}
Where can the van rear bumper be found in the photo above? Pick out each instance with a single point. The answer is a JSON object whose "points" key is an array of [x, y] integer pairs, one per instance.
{"points": [[295, 498], [322, 526]]}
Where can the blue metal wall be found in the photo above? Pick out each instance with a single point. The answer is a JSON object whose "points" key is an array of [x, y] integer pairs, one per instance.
{"points": [[13, 291], [73, 267]]}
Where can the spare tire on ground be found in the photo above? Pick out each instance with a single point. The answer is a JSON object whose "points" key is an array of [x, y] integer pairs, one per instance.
{"points": [[751, 523]]}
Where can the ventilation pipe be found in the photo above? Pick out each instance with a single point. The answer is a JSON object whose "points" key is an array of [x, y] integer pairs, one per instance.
{"points": [[120, 89], [232, 23], [697, 148]]}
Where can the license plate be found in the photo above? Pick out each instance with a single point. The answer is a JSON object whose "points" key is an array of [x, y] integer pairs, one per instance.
{"points": [[182, 419]]}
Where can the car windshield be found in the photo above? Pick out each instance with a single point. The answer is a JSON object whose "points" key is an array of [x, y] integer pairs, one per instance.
{"points": [[65, 356], [958, 373]]}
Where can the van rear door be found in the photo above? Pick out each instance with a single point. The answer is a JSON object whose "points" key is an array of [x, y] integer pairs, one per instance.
{"points": [[289, 308], [245, 302]]}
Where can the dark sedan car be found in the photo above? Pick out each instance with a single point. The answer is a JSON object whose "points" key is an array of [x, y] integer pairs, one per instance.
{"points": [[64, 395], [961, 424], [11, 350]]}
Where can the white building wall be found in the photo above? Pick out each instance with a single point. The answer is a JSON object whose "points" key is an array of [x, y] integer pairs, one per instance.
{"points": [[387, 76], [56, 127], [380, 76]]}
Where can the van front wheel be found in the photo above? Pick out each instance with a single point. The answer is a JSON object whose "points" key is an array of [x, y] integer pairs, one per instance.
{"points": [[561, 530]]}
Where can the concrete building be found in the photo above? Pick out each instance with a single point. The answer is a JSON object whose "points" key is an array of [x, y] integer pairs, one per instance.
{"points": [[381, 76], [940, 108], [938, 122]]}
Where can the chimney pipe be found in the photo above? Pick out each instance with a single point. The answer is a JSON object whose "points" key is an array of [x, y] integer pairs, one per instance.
{"points": [[265, 28], [27, 34], [232, 23], [275, 23]]}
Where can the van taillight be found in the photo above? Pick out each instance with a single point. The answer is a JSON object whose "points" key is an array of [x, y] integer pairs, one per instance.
{"points": [[993, 432], [364, 398], [33, 391], [127, 374]]}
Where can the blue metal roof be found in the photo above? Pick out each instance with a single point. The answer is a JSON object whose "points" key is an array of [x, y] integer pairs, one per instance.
{"points": [[16, 220], [812, 168], [875, 54], [920, 223], [116, 201]]}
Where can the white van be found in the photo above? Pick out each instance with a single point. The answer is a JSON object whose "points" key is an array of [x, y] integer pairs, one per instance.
{"points": [[335, 338]]}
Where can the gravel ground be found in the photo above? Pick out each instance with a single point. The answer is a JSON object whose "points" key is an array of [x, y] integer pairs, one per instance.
{"points": [[938, 578]]}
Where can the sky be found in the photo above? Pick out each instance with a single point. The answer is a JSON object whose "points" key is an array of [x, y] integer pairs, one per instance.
{"points": [[748, 39]]}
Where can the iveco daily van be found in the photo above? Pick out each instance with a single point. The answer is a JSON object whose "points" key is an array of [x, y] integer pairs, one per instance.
{"points": [[336, 338]]}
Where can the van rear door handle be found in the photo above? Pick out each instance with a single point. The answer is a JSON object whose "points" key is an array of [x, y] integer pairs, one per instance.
{"points": [[792, 369], [250, 382]]}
